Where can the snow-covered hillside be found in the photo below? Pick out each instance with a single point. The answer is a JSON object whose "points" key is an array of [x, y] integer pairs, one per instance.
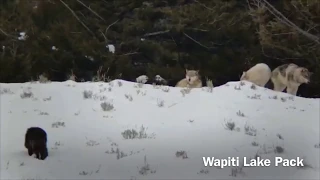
{"points": [[122, 130]]}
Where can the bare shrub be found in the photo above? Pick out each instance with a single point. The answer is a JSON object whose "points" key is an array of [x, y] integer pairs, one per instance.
{"points": [[145, 169], [203, 171], [6, 91], [249, 130], [229, 125], [92, 143], [241, 114], [185, 91], [128, 96], [47, 99], [160, 103], [107, 106], [134, 134], [26, 94], [237, 87], [100, 76], [182, 154], [253, 86], [278, 149], [58, 124], [87, 94], [72, 76], [165, 89], [43, 79], [279, 136]]}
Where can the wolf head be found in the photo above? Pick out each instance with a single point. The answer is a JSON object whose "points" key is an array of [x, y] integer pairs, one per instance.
{"points": [[303, 75], [192, 76], [243, 76]]}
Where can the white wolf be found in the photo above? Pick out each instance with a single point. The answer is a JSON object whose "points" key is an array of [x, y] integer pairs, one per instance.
{"points": [[192, 80], [290, 76], [259, 74], [142, 79]]}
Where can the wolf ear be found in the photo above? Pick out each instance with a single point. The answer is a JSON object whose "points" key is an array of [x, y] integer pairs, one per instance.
{"points": [[243, 75]]}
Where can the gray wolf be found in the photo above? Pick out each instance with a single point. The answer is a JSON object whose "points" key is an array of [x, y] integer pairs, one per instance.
{"points": [[192, 80], [36, 142], [290, 76]]}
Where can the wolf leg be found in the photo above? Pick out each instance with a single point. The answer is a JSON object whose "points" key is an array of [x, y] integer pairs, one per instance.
{"points": [[44, 154], [30, 151], [292, 90], [278, 86]]}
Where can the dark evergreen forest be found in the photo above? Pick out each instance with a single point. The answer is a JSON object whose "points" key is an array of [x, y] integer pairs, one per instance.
{"points": [[221, 38]]}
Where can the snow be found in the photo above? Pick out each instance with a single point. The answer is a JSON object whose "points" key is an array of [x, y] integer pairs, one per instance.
{"points": [[89, 57], [111, 48], [85, 142], [54, 48], [22, 36]]}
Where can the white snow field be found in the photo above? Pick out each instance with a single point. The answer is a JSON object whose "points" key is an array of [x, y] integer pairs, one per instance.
{"points": [[123, 130]]}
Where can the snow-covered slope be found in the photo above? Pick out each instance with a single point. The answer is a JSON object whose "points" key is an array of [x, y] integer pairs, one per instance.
{"points": [[155, 132]]}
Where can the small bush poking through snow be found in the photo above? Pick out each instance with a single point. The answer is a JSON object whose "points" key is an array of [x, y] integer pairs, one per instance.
{"points": [[26, 94], [146, 168], [241, 114], [100, 76], [253, 86], [6, 91], [106, 106], [279, 149], [43, 79], [254, 143], [242, 83], [92, 143], [44, 113], [251, 131], [274, 97], [87, 94], [237, 87], [279, 136], [230, 126], [181, 154], [133, 134], [185, 91], [128, 96], [235, 171], [255, 96], [165, 89], [160, 103], [47, 99], [203, 171], [119, 83], [317, 145], [84, 173], [58, 124]]}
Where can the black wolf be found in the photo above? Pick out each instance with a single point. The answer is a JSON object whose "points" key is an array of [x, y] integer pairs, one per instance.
{"points": [[36, 142]]}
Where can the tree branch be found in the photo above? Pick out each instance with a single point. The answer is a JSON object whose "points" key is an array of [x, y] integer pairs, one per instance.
{"points": [[90, 10], [287, 22], [156, 33], [105, 34], [197, 41], [75, 15]]}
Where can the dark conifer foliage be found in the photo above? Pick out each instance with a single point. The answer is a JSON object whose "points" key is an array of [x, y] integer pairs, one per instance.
{"points": [[221, 38]]}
